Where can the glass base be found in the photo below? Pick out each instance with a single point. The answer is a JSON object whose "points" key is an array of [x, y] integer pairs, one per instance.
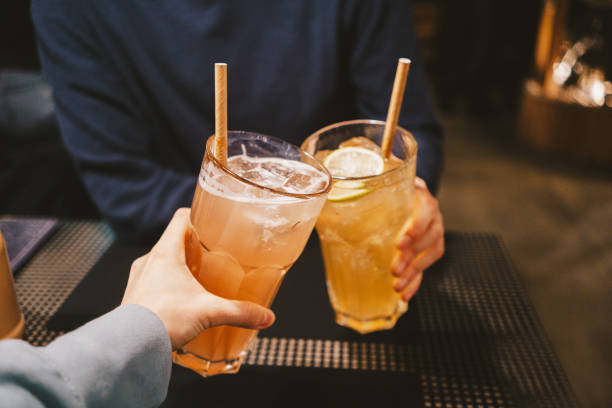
{"points": [[364, 326], [207, 368]]}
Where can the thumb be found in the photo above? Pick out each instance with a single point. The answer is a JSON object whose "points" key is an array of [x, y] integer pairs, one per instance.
{"points": [[240, 313]]}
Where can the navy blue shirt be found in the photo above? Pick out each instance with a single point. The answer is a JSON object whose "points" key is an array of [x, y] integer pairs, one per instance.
{"points": [[134, 86]]}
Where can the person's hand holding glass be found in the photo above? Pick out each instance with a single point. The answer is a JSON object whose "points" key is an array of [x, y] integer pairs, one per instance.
{"points": [[420, 244], [161, 281]]}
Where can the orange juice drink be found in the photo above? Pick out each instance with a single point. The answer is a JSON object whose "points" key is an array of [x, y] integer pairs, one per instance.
{"points": [[370, 201], [12, 322], [251, 220]]}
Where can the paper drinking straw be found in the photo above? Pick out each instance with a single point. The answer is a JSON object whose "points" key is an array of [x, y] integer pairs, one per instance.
{"points": [[395, 105], [221, 112]]}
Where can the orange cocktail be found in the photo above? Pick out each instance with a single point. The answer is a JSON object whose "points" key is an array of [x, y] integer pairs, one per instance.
{"points": [[370, 201]]}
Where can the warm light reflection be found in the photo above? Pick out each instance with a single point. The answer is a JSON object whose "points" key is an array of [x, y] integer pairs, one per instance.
{"points": [[576, 81], [561, 72], [597, 92]]}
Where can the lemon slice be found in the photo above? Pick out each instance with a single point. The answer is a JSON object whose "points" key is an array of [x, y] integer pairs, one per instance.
{"points": [[352, 162], [338, 193]]}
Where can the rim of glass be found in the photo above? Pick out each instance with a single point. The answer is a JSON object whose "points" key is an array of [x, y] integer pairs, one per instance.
{"points": [[366, 122], [217, 163]]}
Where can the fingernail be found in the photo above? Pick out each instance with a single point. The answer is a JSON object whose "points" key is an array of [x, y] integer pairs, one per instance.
{"points": [[395, 270], [397, 258], [399, 267], [403, 263], [267, 321], [399, 285]]}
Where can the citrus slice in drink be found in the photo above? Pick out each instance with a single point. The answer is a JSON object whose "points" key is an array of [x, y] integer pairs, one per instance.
{"points": [[341, 191], [352, 162], [361, 141]]}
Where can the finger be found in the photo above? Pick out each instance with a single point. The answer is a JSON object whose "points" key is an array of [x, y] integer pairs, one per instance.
{"points": [[413, 287], [401, 261], [240, 313], [421, 262], [405, 236], [431, 236], [406, 278], [427, 258], [173, 238], [428, 207], [405, 239], [424, 212]]}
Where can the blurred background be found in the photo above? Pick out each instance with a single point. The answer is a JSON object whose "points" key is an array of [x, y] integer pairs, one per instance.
{"points": [[524, 93]]}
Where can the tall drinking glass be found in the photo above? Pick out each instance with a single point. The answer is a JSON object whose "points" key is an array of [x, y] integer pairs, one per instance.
{"points": [[360, 222], [251, 219]]}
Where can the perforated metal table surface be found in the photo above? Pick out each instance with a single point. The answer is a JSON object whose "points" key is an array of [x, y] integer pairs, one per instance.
{"points": [[474, 337]]}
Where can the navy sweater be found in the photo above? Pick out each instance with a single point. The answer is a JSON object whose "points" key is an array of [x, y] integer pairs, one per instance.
{"points": [[134, 86]]}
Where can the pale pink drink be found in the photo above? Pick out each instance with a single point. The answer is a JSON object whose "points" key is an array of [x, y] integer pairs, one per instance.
{"points": [[251, 220]]}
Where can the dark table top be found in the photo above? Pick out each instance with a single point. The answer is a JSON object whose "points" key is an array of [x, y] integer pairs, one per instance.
{"points": [[471, 337]]}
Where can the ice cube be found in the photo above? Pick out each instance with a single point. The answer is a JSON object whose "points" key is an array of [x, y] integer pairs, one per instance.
{"points": [[241, 164], [298, 181], [255, 175], [219, 272], [304, 183], [277, 168]]}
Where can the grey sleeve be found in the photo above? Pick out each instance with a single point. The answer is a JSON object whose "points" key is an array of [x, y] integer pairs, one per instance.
{"points": [[122, 359]]}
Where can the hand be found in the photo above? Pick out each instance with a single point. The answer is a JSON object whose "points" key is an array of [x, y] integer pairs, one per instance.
{"points": [[162, 282], [420, 244]]}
